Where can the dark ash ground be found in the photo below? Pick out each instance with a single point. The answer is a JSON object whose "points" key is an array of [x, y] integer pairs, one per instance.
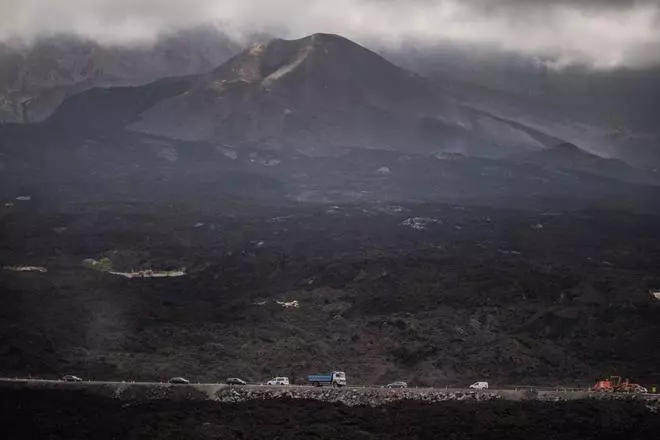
{"points": [[513, 297]]}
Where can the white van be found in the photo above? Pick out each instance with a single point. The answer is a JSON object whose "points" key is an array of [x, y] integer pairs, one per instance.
{"points": [[278, 381], [479, 386]]}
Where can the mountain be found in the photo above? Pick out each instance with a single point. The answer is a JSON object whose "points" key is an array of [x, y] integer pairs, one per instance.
{"points": [[609, 113], [35, 78], [316, 119], [318, 95]]}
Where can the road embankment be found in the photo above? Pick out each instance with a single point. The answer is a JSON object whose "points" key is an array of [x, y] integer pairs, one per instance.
{"points": [[79, 412], [349, 396]]}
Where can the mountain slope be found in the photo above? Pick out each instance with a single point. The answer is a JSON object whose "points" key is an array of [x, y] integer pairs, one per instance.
{"points": [[319, 95], [570, 157], [609, 112]]}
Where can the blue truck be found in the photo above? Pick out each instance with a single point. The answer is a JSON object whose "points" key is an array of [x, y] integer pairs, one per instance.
{"points": [[336, 379]]}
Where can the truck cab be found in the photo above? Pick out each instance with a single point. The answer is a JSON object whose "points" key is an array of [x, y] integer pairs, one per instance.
{"points": [[339, 377]]}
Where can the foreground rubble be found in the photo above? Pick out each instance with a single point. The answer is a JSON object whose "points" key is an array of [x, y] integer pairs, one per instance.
{"points": [[350, 396], [184, 412]]}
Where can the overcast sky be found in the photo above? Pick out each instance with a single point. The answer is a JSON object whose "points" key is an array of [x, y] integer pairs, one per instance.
{"points": [[603, 33]]}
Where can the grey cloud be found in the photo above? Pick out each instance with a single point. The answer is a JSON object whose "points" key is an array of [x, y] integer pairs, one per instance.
{"points": [[601, 33]]}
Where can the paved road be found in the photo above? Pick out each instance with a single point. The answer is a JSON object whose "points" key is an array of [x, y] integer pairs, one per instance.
{"points": [[201, 384], [261, 386]]}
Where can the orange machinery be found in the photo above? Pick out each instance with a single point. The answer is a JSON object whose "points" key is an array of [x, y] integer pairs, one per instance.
{"points": [[614, 384]]}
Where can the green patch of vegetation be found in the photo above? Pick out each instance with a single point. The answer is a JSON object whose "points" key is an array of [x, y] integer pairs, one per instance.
{"points": [[104, 264]]}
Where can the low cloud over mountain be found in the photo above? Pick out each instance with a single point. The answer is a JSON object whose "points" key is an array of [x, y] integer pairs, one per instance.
{"points": [[599, 33]]}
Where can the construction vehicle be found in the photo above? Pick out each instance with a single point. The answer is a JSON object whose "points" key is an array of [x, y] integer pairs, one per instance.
{"points": [[614, 384]]}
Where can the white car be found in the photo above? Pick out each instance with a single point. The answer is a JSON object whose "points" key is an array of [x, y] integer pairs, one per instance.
{"points": [[71, 378], [399, 384], [278, 381], [479, 386], [179, 380]]}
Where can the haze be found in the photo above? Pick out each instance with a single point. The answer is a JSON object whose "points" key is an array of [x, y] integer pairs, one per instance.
{"points": [[601, 33]]}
